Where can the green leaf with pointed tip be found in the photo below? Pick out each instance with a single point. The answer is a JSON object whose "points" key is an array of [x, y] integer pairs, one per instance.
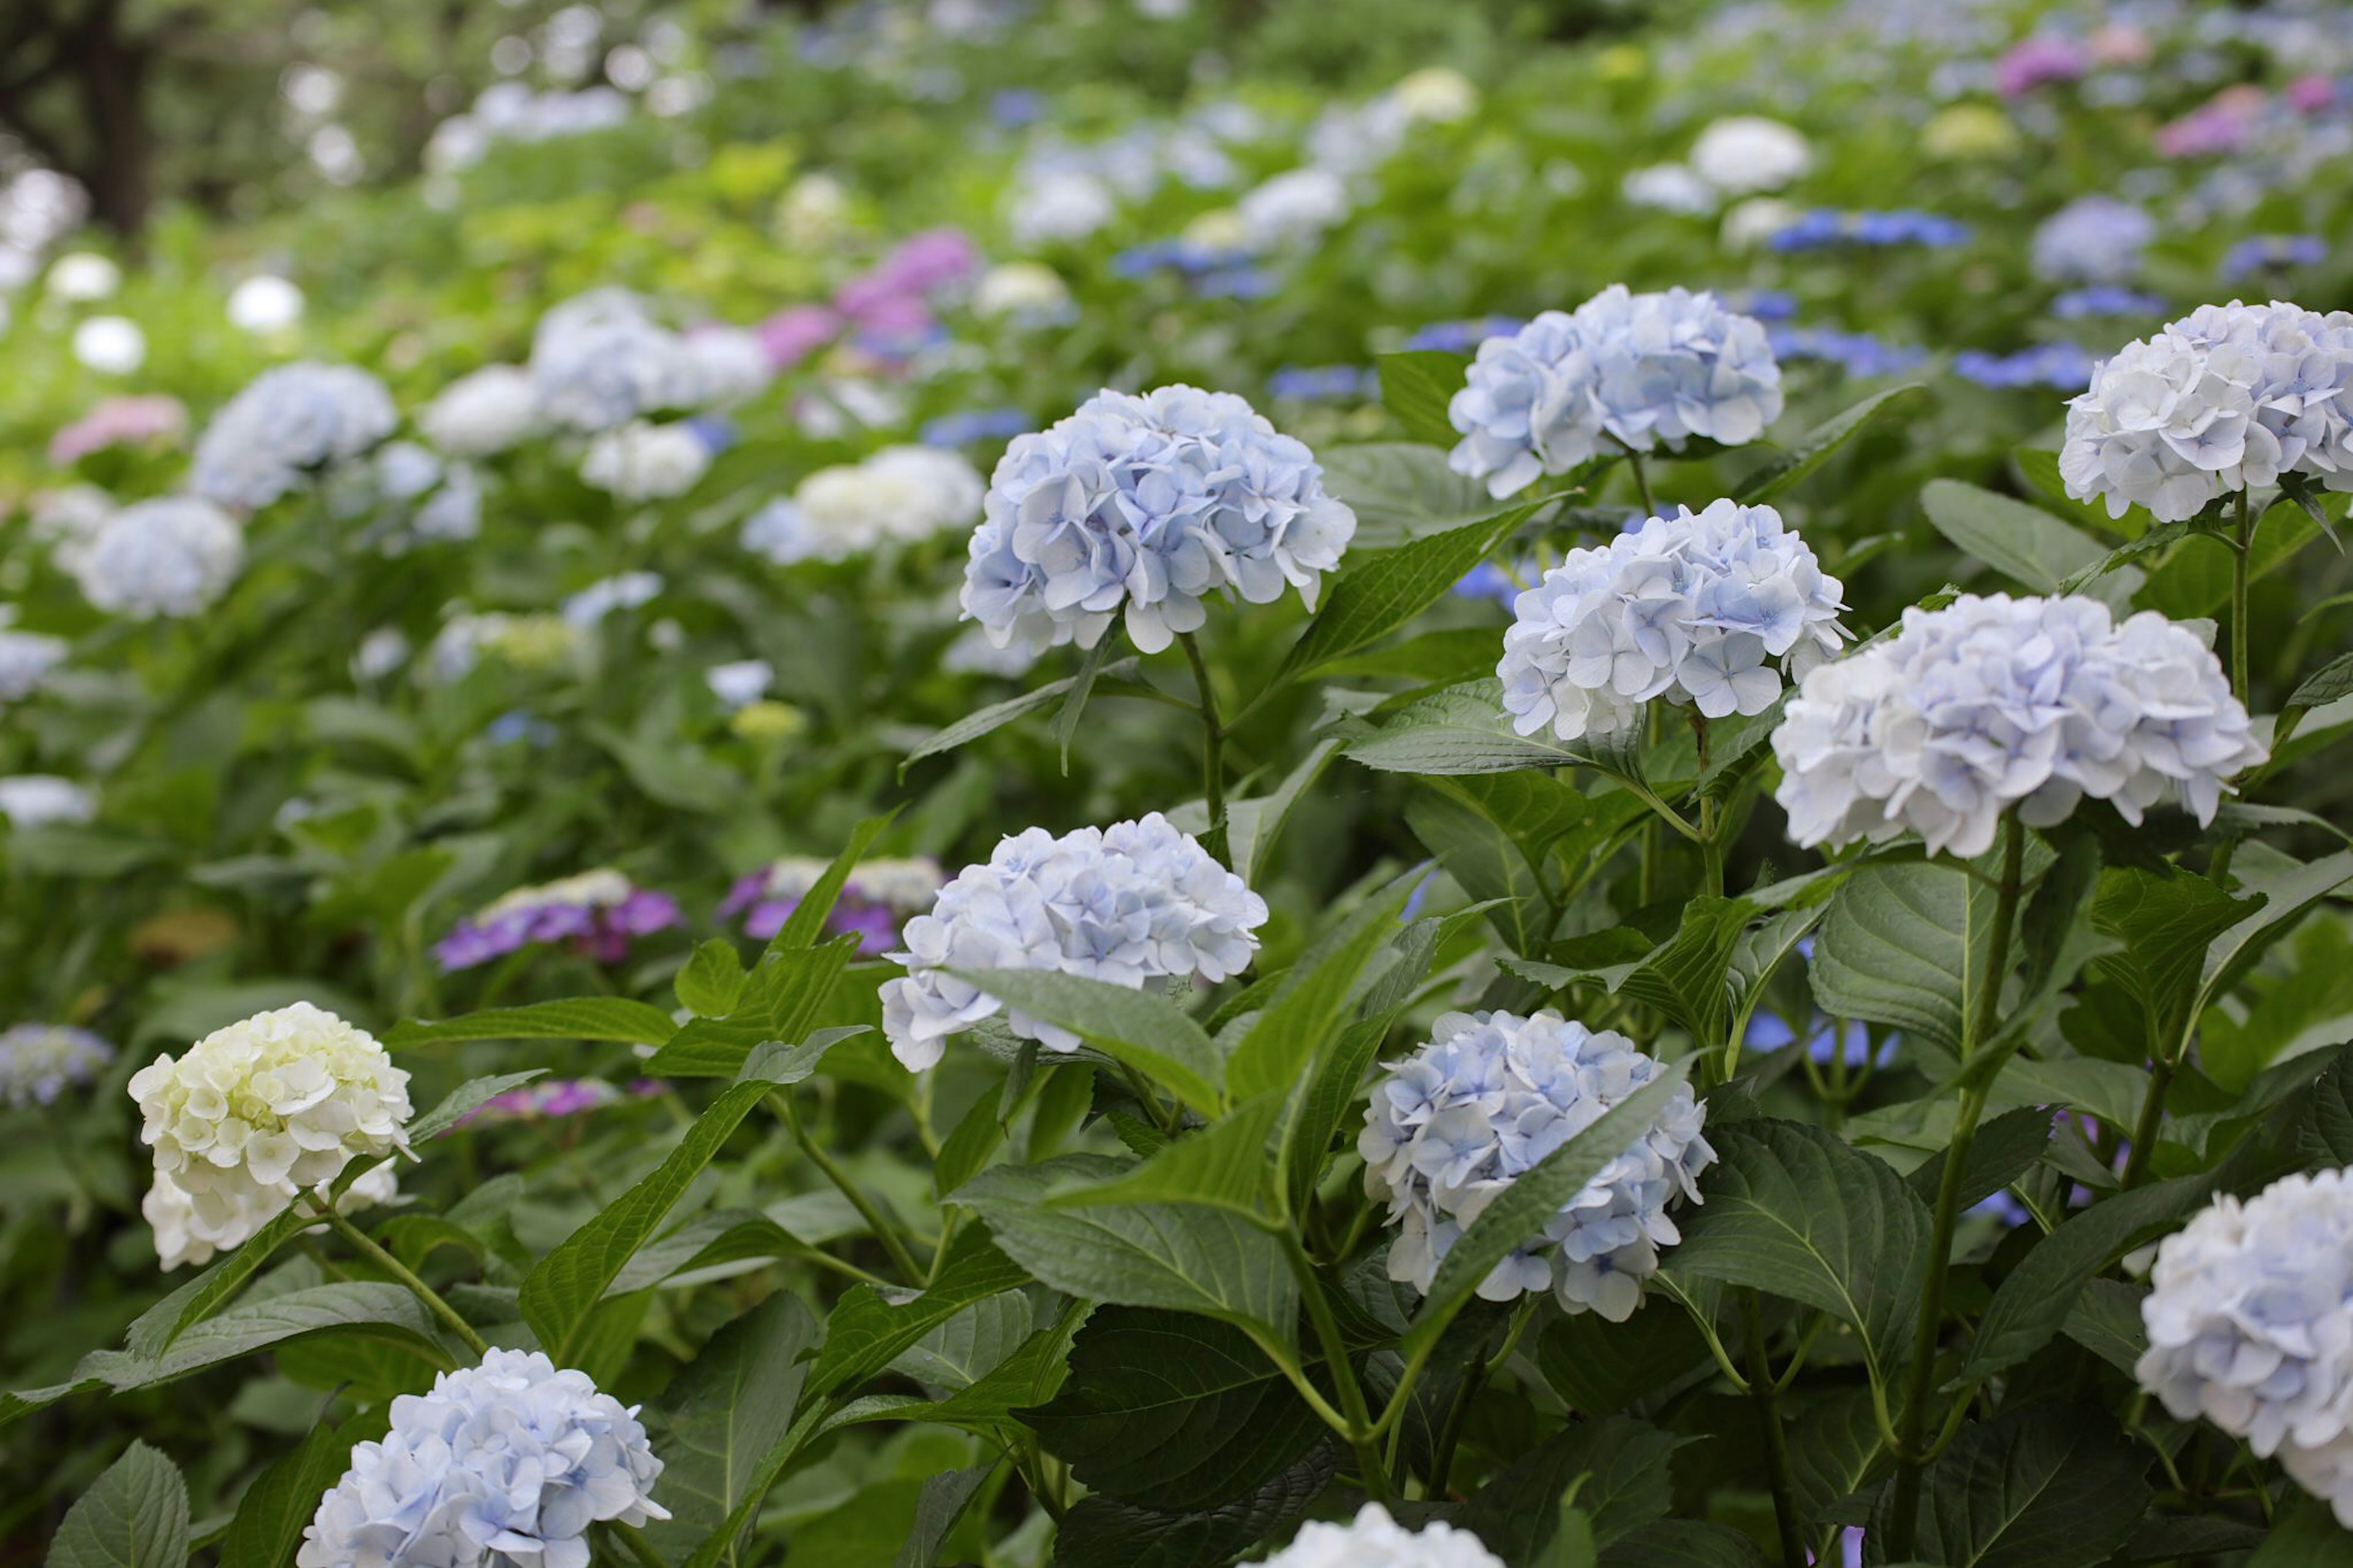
{"points": [[1616, 1465], [2041, 1486], [136, 1516], [369, 1308], [1416, 387], [712, 980], [1146, 1032], [1464, 730], [2163, 925], [732, 1403], [283, 1500], [997, 715], [2024, 543], [1904, 945], [783, 996], [1688, 976], [1819, 445], [1400, 490], [867, 1330], [1377, 595], [465, 1100], [1312, 1000], [805, 926], [1228, 1165], [571, 1019]]}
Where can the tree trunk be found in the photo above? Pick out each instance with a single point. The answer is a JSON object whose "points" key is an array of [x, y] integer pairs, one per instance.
{"points": [[111, 75]]}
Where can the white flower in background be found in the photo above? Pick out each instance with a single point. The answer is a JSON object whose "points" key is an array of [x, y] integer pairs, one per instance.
{"points": [[2092, 239], [1024, 290], [35, 800], [172, 556], [254, 1114], [1293, 208], [2250, 1319], [1670, 188], [1148, 506], [504, 1465], [454, 510], [285, 424], [724, 365], [1132, 904], [26, 658], [1058, 205], [80, 277], [643, 461], [380, 653], [482, 413], [1374, 1540], [741, 683], [598, 360], [1744, 154], [1751, 223], [2228, 397], [815, 210], [1706, 608], [38, 1062], [1438, 95], [1992, 702], [170, 1213], [1485, 1101], [264, 303], [110, 345], [627, 591], [899, 494]]}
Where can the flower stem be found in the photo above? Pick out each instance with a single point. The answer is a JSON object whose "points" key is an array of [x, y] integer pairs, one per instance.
{"points": [[2246, 544], [876, 1220], [1711, 852], [2152, 1118], [1213, 751], [629, 1536], [1641, 480], [367, 1246], [1360, 1432], [1911, 1455], [1765, 1394]]}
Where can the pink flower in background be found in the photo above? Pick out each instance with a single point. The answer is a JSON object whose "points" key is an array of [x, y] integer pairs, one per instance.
{"points": [[2120, 44], [2221, 124], [2037, 59], [553, 1098], [117, 420], [793, 333], [934, 259], [2312, 93]]}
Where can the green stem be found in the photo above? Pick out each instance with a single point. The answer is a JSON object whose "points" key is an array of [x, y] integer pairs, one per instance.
{"points": [[879, 1223], [1641, 480], [1474, 1379], [367, 1246], [629, 1536], [1213, 749], [2246, 544], [1765, 1392], [2152, 1118], [1161, 1118], [1711, 851], [1911, 1456], [1360, 1432]]}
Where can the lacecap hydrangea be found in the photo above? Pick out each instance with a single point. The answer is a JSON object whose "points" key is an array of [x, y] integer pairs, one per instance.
{"points": [[255, 1113], [1132, 903], [1993, 702], [1645, 370], [503, 1465], [1486, 1099], [1148, 505], [598, 911], [170, 557], [1705, 608], [2228, 397], [1374, 1540], [2250, 1319], [287, 424]]}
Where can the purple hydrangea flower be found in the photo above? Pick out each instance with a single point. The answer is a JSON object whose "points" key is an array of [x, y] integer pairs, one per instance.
{"points": [[877, 900], [598, 913]]}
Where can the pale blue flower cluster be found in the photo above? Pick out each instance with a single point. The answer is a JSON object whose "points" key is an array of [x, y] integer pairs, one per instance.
{"points": [[172, 556], [1485, 1101], [1994, 702], [289, 423], [1700, 607], [2092, 239], [599, 360], [2228, 397], [40, 1061], [504, 1465], [1132, 903], [2250, 1319], [1640, 369], [1148, 505], [26, 658]]}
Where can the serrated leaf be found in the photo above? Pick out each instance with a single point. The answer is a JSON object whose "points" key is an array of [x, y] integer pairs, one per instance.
{"points": [[1416, 387], [1835, 1447], [1400, 490], [1464, 730], [2024, 543], [1146, 1032], [2036, 1488], [2003, 1149], [868, 1329], [1687, 977], [571, 1018], [997, 715], [1618, 1467], [1312, 999], [2162, 925], [1904, 945], [1817, 446], [729, 1405], [135, 1516], [1074, 700], [1380, 592], [1102, 1533], [945, 1499], [711, 979], [369, 1308], [1227, 1165]]}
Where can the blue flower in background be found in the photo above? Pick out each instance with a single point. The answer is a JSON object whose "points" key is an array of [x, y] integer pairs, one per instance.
{"points": [[1179, 256], [1323, 383], [1857, 354], [2093, 239], [1235, 283], [975, 425], [2105, 299], [2066, 366], [1016, 106], [1461, 337], [1826, 228], [2272, 252], [1766, 304], [1850, 1041]]}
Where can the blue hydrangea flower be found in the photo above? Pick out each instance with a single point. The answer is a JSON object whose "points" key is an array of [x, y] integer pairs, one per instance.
{"points": [[1642, 369], [1461, 337], [2271, 252], [40, 1062], [1489, 1097], [1994, 702], [1323, 383], [972, 426], [504, 1465], [1857, 354], [2092, 239], [287, 424], [599, 360], [2105, 299], [2057, 364], [1148, 506], [1825, 227]]}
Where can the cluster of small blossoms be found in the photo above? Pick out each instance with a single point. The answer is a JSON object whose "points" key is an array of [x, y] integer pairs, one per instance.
{"points": [[172, 556], [1698, 608], [2250, 1319], [26, 659], [599, 360], [1130, 904], [1487, 1098], [289, 423], [1992, 702], [2093, 239], [598, 912], [645, 461], [483, 412], [2228, 397], [553, 1098], [253, 1114], [538, 641], [502, 1465], [1148, 504], [1374, 1540], [1640, 369], [40, 1062], [182, 1238], [876, 901], [900, 494], [35, 800]]}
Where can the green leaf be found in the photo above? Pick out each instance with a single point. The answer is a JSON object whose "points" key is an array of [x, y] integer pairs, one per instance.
{"points": [[1835, 1450], [806, 925], [997, 715], [1181, 1257], [2004, 1149], [1618, 1467], [2036, 1488], [2024, 543], [1376, 595], [945, 1499], [1401, 490], [1146, 1032], [1227, 1165], [1600, 1368], [2039, 469], [1684, 1544], [1521, 1210], [868, 1329], [153, 1332], [1479, 853], [720, 1547], [571, 1019], [2332, 682], [2106, 1321], [1817, 446], [2195, 580], [1793, 1211], [368, 1309], [2162, 923], [712, 980], [2306, 1536], [1904, 944], [1687, 977], [1312, 999], [671, 772], [732, 1405], [1416, 387], [1104, 1533], [1464, 730], [783, 998], [464, 1100], [1074, 701], [284, 1499], [136, 1516]]}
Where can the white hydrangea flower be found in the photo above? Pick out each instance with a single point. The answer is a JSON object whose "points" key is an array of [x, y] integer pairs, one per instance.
{"points": [[598, 360], [504, 1465], [643, 461], [1374, 1540], [1488, 1097], [1704, 608], [2228, 397], [1669, 188], [1024, 290], [2249, 1318], [1644, 369], [1436, 95], [1741, 154], [1148, 505], [740, 682], [110, 345], [172, 556], [26, 658], [1997, 701], [287, 422], [898, 494], [1293, 208], [35, 800], [1132, 903], [254, 1114], [180, 1239], [265, 303], [725, 364], [67, 520], [482, 413]]}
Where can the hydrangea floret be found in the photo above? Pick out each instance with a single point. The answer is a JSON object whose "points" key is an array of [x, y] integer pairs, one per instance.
{"points": [[287, 424], [1374, 1540]]}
